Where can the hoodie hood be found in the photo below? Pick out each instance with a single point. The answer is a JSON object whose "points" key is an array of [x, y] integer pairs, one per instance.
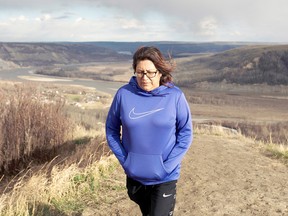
{"points": [[160, 91]]}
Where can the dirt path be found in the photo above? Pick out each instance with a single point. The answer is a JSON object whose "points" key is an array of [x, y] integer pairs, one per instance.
{"points": [[225, 176], [228, 176]]}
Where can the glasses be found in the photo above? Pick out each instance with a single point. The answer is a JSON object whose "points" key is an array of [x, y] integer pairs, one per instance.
{"points": [[149, 74]]}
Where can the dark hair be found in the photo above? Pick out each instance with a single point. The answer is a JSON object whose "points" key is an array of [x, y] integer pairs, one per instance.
{"points": [[153, 54]]}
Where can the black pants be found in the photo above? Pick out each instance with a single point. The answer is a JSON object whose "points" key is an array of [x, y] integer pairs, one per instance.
{"points": [[153, 200]]}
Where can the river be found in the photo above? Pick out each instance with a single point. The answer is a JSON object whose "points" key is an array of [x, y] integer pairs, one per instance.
{"points": [[27, 75]]}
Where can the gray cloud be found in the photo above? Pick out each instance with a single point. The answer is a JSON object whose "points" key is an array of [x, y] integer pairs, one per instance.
{"points": [[203, 18], [180, 19]]}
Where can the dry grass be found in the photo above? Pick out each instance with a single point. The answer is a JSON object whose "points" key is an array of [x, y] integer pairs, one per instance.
{"points": [[67, 191], [30, 126], [76, 179], [57, 187], [269, 148], [73, 188], [257, 114], [37, 121]]}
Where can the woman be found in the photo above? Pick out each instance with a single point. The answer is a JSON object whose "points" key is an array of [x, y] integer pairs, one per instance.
{"points": [[155, 121]]}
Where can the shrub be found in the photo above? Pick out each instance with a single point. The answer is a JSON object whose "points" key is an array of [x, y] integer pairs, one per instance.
{"points": [[31, 125]]}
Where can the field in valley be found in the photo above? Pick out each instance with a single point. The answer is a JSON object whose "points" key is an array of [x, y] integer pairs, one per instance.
{"points": [[257, 110]]}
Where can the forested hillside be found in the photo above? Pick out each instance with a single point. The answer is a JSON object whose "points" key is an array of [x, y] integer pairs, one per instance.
{"points": [[47, 54], [44, 54], [213, 62], [246, 65]]}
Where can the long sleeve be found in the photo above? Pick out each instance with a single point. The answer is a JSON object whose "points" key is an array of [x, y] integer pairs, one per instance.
{"points": [[184, 134], [113, 129]]}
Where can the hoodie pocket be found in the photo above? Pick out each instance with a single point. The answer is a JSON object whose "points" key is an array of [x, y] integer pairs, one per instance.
{"points": [[144, 167]]}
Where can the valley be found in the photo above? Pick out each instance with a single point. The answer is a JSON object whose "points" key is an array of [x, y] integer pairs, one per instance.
{"points": [[229, 169]]}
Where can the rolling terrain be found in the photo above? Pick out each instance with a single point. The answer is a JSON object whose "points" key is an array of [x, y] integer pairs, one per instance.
{"points": [[241, 81], [242, 88], [245, 65], [63, 53], [213, 62], [47, 54]]}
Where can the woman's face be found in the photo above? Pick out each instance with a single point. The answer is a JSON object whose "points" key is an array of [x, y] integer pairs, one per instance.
{"points": [[146, 83]]}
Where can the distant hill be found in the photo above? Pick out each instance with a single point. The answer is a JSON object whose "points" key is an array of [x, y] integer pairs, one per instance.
{"points": [[245, 65], [44, 54], [47, 54], [241, 63], [173, 48]]}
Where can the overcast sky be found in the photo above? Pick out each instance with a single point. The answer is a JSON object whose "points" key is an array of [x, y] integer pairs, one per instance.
{"points": [[150, 20]]}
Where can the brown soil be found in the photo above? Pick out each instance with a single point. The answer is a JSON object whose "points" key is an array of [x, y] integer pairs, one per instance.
{"points": [[220, 176]]}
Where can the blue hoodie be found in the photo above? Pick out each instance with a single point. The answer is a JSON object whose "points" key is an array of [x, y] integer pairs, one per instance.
{"points": [[156, 131]]}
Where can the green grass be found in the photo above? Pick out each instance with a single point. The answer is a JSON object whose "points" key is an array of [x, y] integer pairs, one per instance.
{"points": [[277, 151]]}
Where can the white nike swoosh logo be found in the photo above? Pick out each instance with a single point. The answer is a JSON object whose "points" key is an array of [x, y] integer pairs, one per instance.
{"points": [[166, 195], [134, 115]]}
